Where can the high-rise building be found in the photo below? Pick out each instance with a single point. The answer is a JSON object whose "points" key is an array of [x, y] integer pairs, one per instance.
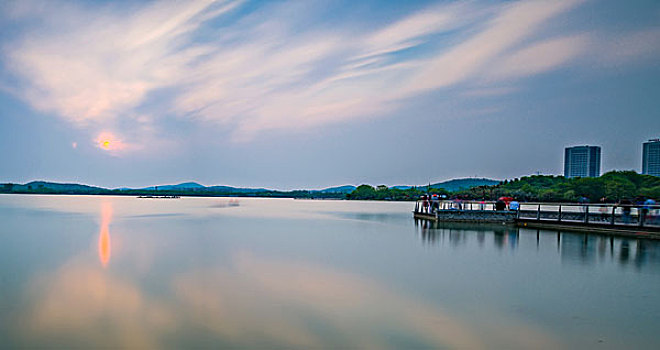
{"points": [[582, 161], [651, 157]]}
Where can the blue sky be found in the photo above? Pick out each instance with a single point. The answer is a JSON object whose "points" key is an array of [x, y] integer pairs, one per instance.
{"points": [[308, 94]]}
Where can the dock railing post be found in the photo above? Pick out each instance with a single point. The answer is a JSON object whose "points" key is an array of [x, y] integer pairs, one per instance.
{"points": [[559, 213], [586, 214], [613, 215], [538, 213], [640, 214]]}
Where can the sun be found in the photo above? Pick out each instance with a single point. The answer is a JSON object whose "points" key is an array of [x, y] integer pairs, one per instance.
{"points": [[109, 142]]}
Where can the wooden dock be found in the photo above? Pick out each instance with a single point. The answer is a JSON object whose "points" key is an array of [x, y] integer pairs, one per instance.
{"points": [[637, 221]]}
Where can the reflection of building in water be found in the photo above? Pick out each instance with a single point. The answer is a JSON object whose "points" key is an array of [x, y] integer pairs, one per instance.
{"points": [[104, 233]]}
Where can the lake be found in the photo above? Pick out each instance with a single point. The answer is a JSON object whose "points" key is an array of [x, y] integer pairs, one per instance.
{"points": [[91, 271]]}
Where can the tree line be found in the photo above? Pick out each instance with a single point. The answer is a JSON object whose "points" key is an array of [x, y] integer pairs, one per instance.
{"points": [[610, 187]]}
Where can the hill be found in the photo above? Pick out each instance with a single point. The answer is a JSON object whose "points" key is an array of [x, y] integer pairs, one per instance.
{"points": [[338, 189], [181, 186], [464, 184], [45, 186], [229, 189]]}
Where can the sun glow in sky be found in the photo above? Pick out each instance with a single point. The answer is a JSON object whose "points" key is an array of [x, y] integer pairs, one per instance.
{"points": [[109, 142]]}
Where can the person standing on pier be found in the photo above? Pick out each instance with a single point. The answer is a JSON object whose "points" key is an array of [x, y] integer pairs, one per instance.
{"points": [[626, 207], [647, 211], [584, 201], [514, 205], [435, 203]]}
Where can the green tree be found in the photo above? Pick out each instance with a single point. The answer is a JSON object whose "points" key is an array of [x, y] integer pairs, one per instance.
{"points": [[363, 192], [622, 188]]}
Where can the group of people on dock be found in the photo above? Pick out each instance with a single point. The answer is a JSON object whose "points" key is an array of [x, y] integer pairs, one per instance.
{"points": [[648, 211], [430, 204]]}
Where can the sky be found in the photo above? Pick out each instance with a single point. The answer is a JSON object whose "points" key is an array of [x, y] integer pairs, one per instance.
{"points": [[312, 94]]}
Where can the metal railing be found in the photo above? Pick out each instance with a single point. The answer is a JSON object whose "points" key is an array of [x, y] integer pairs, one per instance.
{"points": [[453, 205], [605, 214]]}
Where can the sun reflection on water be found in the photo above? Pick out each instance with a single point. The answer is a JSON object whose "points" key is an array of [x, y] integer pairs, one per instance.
{"points": [[104, 234]]}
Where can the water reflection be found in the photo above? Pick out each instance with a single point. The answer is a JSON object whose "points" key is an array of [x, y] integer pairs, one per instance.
{"points": [[207, 278], [580, 248], [104, 233], [251, 302], [591, 249], [458, 234]]}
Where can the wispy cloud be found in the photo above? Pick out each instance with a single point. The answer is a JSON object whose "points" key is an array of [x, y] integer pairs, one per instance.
{"points": [[510, 27], [255, 72], [87, 64], [539, 57]]}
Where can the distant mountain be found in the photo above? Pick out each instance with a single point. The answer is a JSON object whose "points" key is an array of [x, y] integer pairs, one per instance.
{"points": [[338, 189], [181, 186], [194, 186], [229, 189], [186, 188], [57, 187], [462, 184], [196, 189]]}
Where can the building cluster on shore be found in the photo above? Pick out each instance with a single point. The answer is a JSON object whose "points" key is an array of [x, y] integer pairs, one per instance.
{"points": [[584, 161]]}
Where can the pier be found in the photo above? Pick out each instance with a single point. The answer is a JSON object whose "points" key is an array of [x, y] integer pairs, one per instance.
{"points": [[641, 221]]}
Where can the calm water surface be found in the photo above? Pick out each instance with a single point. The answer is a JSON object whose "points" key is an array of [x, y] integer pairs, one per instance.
{"points": [[79, 271]]}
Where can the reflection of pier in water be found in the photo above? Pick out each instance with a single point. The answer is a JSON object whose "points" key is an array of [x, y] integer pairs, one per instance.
{"points": [[572, 247]]}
